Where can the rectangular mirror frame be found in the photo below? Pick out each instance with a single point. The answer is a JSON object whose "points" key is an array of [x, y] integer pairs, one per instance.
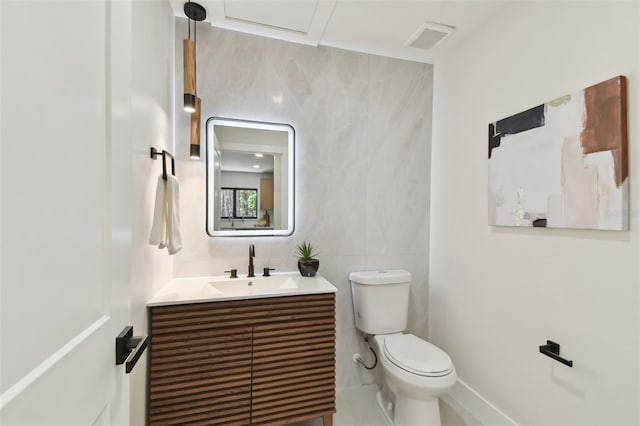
{"points": [[210, 184]]}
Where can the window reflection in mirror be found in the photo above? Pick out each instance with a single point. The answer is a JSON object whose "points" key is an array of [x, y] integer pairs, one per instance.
{"points": [[250, 178]]}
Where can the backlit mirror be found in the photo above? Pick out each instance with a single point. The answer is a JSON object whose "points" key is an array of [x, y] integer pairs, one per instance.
{"points": [[250, 178]]}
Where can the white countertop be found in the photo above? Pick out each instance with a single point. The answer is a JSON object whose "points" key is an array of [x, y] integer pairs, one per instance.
{"points": [[212, 289]]}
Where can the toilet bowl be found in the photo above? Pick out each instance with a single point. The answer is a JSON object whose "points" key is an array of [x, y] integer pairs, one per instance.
{"points": [[415, 372]]}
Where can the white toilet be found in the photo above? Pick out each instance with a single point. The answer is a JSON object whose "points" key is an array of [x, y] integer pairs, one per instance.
{"points": [[415, 372]]}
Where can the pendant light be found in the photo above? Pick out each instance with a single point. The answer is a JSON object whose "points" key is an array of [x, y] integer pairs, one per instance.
{"points": [[195, 131], [196, 13]]}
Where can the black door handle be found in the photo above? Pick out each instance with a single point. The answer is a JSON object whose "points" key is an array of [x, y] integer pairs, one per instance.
{"points": [[129, 348]]}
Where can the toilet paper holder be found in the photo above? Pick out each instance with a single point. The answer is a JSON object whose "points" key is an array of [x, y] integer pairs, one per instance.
{"points": [[552, 350]]}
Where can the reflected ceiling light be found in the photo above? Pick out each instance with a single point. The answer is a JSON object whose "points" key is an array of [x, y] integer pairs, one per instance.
{"points": [[256, 166], [259, 155]]}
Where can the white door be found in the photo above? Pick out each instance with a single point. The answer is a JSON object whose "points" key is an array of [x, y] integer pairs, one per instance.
{"points": [[64, 211]]}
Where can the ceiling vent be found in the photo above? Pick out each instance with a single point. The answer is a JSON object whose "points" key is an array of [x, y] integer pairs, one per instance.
{"points": [[428, 35]]}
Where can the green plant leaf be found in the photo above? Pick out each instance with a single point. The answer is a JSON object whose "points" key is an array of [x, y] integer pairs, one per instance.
{"points": [[306, 251]]}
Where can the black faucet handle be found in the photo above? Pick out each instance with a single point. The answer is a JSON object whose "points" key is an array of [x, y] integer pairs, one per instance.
{"points": [[234, 273], [265, 272], [252, 254]]}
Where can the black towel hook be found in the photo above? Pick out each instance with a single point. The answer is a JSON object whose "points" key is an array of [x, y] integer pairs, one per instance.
{"points": [[155, 153]]}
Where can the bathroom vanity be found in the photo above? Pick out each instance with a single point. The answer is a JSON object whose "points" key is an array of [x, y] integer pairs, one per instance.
{"points": [[242, 351]]}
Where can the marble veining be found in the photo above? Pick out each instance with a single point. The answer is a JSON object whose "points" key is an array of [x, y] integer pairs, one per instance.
{"points": [[363, 126]]}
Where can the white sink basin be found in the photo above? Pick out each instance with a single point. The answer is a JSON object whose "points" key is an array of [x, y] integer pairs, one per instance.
{"points": [[207, 289], [256, 285]]}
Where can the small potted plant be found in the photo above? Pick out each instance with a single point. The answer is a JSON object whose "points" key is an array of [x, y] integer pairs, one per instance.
{"points": [[307, 263]]}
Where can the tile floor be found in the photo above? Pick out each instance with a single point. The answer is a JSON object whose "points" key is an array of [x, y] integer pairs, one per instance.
{"points": [[357, 407]]}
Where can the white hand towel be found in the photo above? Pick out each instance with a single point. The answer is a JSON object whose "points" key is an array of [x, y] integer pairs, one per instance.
{"points": [[174, 238], [158, 228]]}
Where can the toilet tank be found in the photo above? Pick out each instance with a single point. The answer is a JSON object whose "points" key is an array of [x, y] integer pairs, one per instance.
{"points": [[380, 300]]}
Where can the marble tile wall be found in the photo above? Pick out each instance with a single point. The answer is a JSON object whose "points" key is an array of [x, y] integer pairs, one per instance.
{"points": [[363, 137]]}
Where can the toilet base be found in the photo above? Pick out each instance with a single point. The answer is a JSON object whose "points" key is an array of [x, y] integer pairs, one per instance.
{"points": [[408, 412], [385, 407]]}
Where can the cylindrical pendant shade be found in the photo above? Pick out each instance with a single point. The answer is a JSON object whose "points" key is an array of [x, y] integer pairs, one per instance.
{"points": [[189, 102], [195, 130], [189, 71]]}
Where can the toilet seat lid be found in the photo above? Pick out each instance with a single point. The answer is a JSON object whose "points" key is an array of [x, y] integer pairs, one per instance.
{"points": [[417, 356]]}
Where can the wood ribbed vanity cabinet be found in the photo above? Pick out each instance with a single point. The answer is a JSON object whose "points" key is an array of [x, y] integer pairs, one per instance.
{"points": [[267, 361]]}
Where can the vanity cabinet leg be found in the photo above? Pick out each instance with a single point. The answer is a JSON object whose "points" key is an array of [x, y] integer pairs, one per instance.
{"points": [[327, 420]]}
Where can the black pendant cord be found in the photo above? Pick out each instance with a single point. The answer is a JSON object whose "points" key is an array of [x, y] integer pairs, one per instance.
{"points": [[188, 27]]}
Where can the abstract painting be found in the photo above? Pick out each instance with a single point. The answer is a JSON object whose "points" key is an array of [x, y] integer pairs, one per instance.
{"points": [[563, 164]]}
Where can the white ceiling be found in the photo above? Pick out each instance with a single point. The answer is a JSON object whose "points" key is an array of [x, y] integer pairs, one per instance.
{"points": [[380, 27], [249, 150]]}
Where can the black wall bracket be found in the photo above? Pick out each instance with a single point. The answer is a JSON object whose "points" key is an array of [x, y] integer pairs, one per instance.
{"points": [[552, 350], [129, 348], [154, 153]]}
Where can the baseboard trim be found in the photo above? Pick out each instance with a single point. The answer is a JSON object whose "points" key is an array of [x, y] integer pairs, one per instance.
{"points": [[481, 409]]}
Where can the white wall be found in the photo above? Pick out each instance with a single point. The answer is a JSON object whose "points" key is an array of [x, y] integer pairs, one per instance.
{"points": [[363, 127], [243, 180], [153, 101], [498, 293]]}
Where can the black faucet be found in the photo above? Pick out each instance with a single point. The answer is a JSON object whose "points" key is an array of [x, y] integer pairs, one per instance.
{"points": [[252, 253], [266, 272]]}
